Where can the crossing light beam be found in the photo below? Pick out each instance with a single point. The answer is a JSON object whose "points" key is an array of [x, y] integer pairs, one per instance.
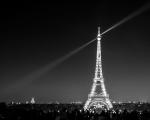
{"points": [[60, 60], [38, 73], [129, 17]]}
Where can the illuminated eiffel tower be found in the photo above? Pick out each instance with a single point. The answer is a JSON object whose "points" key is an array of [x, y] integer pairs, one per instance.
{"points": [[98, 97]]}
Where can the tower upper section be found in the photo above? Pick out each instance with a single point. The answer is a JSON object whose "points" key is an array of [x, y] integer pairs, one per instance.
{"points": [[98, 70]]}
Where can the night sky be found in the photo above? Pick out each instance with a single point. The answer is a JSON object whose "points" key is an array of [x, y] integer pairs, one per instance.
{"points": [[33, 34]]}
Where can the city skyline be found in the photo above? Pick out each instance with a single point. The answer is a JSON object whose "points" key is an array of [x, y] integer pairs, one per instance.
{"points": [[40, 33]]}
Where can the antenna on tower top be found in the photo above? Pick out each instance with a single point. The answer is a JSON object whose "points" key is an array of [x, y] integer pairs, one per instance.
{"points": [[98, 30], [99, 34]]}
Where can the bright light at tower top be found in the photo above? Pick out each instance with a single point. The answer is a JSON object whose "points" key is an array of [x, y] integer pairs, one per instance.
{"points": [[99, 35]]}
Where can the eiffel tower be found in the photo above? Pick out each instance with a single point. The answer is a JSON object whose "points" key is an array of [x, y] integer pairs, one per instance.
{"points": [[98, 97]]}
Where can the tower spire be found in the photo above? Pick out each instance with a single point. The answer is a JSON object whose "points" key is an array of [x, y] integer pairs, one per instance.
{"points": [[99, 34], [98, 97]]}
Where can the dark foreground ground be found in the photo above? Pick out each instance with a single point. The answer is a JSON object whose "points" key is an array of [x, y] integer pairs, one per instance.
{"points": [[124, 111]]}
